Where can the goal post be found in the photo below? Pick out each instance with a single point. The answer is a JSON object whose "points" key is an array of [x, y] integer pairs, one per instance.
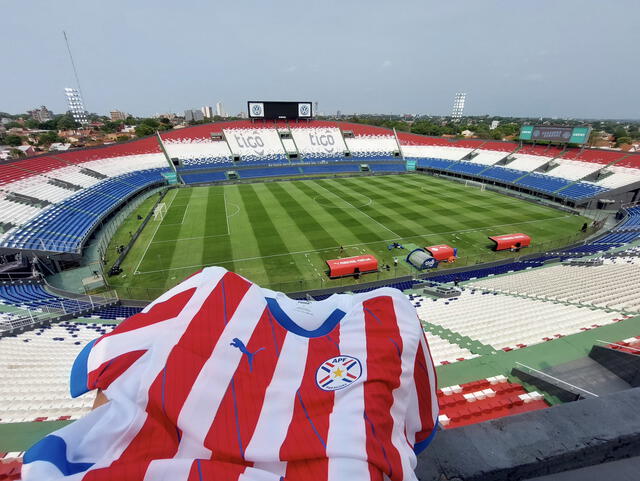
{"points": [[159, 211], [473, 183]]}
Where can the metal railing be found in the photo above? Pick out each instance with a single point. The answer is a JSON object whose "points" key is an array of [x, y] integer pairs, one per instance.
{"points": [[555, 379], [68, 307]]}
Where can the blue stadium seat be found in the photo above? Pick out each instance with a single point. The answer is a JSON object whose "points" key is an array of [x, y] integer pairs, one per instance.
{"points": [[388, 167], [503, 173], [581, 190], [433, 163], [330, 168], [34, 296], [63, 227], [544, 183], [195, 177], [467, 168], [268, 172]]}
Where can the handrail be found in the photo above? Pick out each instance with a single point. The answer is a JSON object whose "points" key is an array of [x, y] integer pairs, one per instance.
{"points": [[556, 379], [616, 344]]}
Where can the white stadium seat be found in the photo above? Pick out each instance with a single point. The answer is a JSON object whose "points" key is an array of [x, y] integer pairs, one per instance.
{"points": [[34, 372], [505, 321]]}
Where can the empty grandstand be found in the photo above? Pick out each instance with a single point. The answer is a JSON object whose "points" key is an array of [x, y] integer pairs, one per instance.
{"points": [[339, 200]]}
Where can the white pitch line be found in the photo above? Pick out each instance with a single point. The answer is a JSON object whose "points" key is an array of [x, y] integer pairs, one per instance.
{"points": [[224, 198], [184, 215], [431, 234], [354, 207], [135, 271]]}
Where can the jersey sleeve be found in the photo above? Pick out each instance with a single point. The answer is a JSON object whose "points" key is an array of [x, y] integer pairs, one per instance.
{"points": [[423, 415], [105, 359]]}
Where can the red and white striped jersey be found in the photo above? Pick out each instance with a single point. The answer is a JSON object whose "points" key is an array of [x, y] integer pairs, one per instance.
{"points": [[219, 379]]}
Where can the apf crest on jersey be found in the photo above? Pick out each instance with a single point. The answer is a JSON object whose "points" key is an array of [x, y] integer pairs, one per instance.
{"points": [[338, 373]]}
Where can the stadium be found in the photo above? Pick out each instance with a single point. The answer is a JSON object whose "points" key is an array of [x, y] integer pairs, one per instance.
{"points": [[91, 236]]}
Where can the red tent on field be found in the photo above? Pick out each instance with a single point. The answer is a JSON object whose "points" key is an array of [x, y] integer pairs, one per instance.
{"points": [[510, 241], [349, 266], [441, 252]]}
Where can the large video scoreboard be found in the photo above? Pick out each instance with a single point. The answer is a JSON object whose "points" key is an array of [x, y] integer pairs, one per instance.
{"points": [[549, 133], [259, 109]]}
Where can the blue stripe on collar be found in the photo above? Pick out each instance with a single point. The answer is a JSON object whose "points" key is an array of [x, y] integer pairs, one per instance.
{"points": [[285, 321]]}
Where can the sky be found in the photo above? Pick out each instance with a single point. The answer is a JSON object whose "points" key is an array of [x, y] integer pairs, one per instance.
{"points": [[557, 58]]}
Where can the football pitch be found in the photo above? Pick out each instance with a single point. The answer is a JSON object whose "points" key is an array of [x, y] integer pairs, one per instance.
{"points": [[280, 234]]}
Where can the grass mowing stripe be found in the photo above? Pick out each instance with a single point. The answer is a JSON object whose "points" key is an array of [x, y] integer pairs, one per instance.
{"points": [[312, 230], [393, 215], [217, 222], [403, 217], [342, 217], [144, 253], [437, 218], [269, 240], [320, 184]]}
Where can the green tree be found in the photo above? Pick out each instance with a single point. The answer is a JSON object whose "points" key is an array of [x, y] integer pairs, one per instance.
{"points": [[31, 124], [111, 127], [122, 138], [48, 138], [16, 153], [623, 140], [143, 130], [13, 140], [66, 122], [13, 125]]}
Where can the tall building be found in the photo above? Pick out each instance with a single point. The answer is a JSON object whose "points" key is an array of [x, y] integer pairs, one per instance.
{"points": [[76, 106], [458, 105], [193, 115], [42, 114], [494, 124], [207, 111], [117, 115], [220, 110]]}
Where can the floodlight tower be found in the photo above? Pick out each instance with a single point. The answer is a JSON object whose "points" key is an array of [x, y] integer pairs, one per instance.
{"points": [[458, 106], [74, 96]]}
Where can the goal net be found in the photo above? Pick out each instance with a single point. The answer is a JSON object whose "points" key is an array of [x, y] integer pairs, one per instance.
{"points": [[472, 183], [159, 211]]}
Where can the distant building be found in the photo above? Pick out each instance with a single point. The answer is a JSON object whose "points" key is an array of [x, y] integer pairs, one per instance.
{"points": [[42, 114], [220, 110], [117, 115], [76, 106], [494, 124], [207, 111], [193, 115], [165, 116], [27, 150], [59, 146]]}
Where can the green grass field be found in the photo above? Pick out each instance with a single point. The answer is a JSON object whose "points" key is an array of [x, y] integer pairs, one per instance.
{"points": [[280, 234]]}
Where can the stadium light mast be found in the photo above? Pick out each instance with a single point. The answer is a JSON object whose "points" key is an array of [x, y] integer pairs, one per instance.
{"points": [[74, 95], [458, 106]]}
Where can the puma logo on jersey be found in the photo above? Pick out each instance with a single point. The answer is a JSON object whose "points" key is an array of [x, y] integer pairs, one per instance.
{"points": [[243, 349]]}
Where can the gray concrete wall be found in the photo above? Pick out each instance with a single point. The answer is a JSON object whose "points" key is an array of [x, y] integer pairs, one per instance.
{"points": [[561, 438]]}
